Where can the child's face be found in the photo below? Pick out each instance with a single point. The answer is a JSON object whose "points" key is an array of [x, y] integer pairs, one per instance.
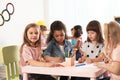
{"points": [[33, 34], [59, 36], [43, 33], [72, 32], [92, 35]]}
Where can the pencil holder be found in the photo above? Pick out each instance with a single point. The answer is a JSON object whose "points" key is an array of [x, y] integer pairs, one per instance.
{"points": [[69, 61]]}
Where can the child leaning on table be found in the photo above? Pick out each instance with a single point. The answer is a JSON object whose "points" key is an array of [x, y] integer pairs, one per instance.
{"points": [[92, 49], [112, 50], [58, 44], [30, 51]]}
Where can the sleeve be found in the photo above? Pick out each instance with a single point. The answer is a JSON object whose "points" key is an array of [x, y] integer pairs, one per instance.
{"points": [[116, 54], [26, 54], [83, 47], [48, 50]]}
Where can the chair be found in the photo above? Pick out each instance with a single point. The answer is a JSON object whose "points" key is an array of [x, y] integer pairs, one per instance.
{"points": [[9, 56]]}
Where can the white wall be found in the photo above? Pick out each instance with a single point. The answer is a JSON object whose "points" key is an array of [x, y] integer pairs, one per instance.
{"points": [[71, 12], [26, 11]]}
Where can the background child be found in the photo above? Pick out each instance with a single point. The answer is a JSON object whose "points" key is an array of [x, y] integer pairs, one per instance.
{"points": [[58, 45], [73, 41], [43, 35], [78, 39], [92, 49], [30, 52], [112, 50]]}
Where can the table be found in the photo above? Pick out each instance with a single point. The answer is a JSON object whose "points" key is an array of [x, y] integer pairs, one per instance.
{"points": [[88, 70]]}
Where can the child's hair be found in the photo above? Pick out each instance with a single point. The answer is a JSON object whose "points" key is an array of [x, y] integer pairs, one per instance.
{"points": [[43, 28], [95, 26], [25, 38], [72, 29], [78, 31], [112, 35], [56, 25]]}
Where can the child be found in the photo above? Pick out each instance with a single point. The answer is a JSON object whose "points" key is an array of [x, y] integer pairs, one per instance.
{"points": [[77, 36], [43, 35], [30, 52], [58, 45], [92, 49], [112, 50], [73, 41]]}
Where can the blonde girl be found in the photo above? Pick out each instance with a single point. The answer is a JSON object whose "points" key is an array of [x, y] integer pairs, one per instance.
{"points": [[112, 50]]}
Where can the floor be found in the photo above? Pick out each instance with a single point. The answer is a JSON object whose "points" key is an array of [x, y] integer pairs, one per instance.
{"points": [[2, 71]]}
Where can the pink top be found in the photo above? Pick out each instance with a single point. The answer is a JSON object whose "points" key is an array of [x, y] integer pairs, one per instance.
{"points": [[29, 53], [43, 40], [116, 57]]}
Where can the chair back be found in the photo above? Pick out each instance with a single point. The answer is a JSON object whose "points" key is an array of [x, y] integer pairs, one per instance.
{"points": [[10, 59]]}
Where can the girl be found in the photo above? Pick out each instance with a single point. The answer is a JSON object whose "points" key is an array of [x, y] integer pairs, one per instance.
{"points": [[92, 49], [43, 35], [112, 50], [77, 36], [58, 45], [30, 52], [73, 41]]}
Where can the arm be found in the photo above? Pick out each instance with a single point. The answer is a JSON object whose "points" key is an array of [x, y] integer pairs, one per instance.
{"points": [[114, 62], [38, 63], [53, 59], [113, 67], [79, 43], [50, 54], [98, 59], [83, 58]]}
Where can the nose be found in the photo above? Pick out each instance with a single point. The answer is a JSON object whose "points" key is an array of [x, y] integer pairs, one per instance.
{"points": [[34, 34], [59, 37]]}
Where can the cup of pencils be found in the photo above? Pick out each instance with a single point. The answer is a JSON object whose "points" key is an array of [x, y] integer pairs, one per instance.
{"points": [[69, 61]]}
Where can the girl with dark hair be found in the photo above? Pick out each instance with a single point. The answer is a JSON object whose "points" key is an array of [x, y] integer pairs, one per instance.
{"points": [[58, 45], [77, 36], [92, 49]]}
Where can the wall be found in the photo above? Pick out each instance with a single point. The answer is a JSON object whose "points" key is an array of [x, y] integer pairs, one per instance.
{"points": [[26, 11], [73, 12]]}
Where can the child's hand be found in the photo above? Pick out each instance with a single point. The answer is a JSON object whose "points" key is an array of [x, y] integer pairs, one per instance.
{"points": [[58, 59], [41, 59], [89, 61], [59, 65], [81, 60], [50, 64]]}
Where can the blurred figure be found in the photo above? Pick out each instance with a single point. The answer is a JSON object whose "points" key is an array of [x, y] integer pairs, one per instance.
{"points": [[43, 35]]}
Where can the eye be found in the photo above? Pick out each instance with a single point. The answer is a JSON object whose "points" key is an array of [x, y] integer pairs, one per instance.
{"points": [[36, 32], [56, 36], [30, 32], [61, 35]]}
